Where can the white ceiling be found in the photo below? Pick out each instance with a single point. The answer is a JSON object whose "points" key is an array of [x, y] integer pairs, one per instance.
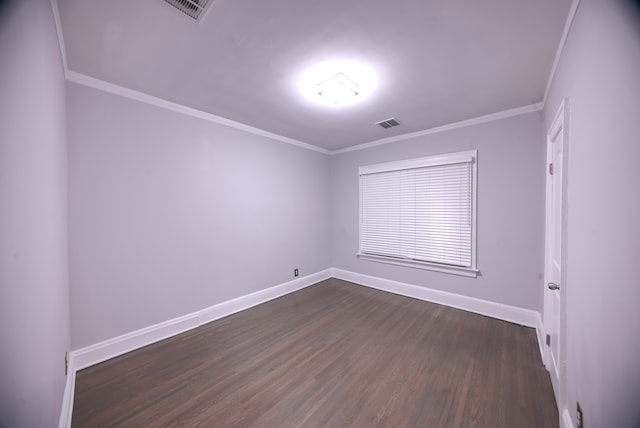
{"points": [[437, 61]]}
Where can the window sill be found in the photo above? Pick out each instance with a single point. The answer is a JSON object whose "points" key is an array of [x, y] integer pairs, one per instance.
{"points": [[454, 270]]}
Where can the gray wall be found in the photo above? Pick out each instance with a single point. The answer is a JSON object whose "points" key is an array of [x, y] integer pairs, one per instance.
{"points": [[600, 72], [170, 214], [34, 293], [511, 165]]}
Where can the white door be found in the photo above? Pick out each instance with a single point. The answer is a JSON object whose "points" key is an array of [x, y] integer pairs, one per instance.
{"points": [[553, 248]]}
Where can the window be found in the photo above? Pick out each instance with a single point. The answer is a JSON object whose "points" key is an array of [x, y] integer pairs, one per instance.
{"points": [[421, 213]]}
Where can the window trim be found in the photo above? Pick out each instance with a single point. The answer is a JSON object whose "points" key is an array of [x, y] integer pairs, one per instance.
{"points": [[443, 159]]}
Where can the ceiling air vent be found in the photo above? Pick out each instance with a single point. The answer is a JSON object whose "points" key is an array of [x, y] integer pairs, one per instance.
{"points": [[193, 8], [388, 123]]}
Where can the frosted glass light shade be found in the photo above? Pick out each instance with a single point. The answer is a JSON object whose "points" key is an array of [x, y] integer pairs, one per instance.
{"points": [[338, 89], [337, 83]]}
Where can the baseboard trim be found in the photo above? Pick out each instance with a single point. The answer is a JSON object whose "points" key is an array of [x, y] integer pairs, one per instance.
{"points": [[105, 350], [245, 302], [526, 317], [566, 420], [67, 399], [116, 346], [541, 335], [102, 351]]}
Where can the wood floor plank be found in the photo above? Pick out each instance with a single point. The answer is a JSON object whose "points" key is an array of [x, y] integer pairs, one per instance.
{"points": [[331, 355]]}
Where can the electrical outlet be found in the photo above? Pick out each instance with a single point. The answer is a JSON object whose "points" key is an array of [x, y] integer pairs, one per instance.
{"points": [[295, 272], [580, 419]]}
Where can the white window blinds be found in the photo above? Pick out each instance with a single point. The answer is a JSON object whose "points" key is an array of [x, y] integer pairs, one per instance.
{"points": [[422, 210]]}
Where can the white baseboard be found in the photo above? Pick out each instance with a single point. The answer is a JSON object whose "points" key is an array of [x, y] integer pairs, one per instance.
{"points": [[245, 302], [67, 399], [105, 350], [526, 317], [94, 354], [111, 348], [541, 335], [102, 351], [567, 421]]}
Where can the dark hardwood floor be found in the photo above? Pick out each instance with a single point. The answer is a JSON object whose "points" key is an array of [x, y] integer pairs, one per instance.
{"points": [[331, 355]]}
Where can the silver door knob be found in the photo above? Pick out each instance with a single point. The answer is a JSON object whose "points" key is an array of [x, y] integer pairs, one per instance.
{"points": [[553, 286]]}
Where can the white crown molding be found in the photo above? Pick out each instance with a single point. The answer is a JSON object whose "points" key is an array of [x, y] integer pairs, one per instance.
{"points": [[56, 19], [563, 41], [92, 82], [525, 317], [462, 124], [159, 102], [102, 85], [83, 79]]}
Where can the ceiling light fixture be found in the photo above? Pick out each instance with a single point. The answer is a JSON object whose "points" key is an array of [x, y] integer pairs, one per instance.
{"points": [[337, 83], [338, 89]]}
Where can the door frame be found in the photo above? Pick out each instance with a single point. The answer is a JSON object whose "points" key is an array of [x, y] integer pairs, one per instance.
{"points": [[561, 120]]}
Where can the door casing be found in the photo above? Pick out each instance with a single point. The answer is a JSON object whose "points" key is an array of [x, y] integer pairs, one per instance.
{"points": [[558, 128]]}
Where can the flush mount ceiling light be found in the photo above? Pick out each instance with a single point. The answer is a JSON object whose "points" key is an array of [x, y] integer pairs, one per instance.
{"points": [[337, 83], [338, 89]]}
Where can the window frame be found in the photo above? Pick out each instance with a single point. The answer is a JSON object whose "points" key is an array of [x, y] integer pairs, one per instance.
{"points": [[430, 161]]}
